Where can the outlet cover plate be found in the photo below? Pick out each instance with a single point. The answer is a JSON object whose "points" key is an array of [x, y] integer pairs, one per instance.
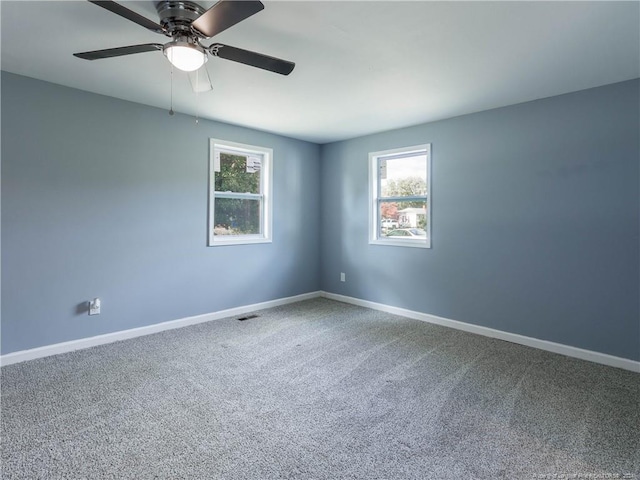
{"points": [[94, 309]]}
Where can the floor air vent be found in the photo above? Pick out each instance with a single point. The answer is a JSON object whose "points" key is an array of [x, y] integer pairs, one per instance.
{"points": [[248, 317]]}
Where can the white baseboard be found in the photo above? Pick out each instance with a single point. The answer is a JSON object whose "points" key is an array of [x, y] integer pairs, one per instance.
{"points": [[567, 350], [47, 350], [82, 343]]}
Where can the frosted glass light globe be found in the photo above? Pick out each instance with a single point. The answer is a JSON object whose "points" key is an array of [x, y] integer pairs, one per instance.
{"points": [[186, 57]]}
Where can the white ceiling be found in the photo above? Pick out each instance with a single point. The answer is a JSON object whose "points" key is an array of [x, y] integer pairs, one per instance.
{"points": [[361, 67]]}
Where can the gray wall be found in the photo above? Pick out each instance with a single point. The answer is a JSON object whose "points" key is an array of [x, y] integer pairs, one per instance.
{"points": [[102, 197], [535, 221]]}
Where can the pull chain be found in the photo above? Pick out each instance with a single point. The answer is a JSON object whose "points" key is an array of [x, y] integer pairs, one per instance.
{"points": [[171, 112], [197, 93]]}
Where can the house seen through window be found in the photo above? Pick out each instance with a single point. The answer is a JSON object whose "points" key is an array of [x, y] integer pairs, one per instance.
{"points": [[400, 197]]}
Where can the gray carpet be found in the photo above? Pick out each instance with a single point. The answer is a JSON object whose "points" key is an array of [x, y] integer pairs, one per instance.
{"points": [[318, 390]]}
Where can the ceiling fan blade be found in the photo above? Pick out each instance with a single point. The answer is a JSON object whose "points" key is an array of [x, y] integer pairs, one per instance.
{"points": [[283, 67], [225, 14], [130, 15], [117, 52], [200, 80]]}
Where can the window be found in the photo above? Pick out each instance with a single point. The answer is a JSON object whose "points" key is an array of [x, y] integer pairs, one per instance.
{"points": [[400, 202], [239, 193]]}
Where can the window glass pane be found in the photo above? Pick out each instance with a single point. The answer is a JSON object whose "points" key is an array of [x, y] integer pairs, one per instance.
{"points": [[401, 177], [235, 216], [236, 175], [403, 219]]}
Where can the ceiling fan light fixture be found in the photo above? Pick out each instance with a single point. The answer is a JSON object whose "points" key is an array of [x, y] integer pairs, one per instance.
{"points": [[185, 56]]}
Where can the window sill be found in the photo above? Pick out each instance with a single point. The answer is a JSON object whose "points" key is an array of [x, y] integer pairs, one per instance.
{"points": [[220, 242], [401, 243]]}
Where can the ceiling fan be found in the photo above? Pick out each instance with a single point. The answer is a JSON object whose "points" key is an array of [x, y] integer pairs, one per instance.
{"points": [[187, 24]]}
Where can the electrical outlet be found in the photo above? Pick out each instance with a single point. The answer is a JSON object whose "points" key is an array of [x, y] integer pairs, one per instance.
{"points": [[94, 307], [343, 277]]}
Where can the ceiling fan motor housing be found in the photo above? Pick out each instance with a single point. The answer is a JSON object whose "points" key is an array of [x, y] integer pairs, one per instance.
{"points": [[176, 17]]}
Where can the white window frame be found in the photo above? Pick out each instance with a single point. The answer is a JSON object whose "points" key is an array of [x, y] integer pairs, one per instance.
{"points": [[266, 182], [375, 199]]}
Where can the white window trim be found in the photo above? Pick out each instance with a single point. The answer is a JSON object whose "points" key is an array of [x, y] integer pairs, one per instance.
{"points": [[374, 192], [266, 185]]}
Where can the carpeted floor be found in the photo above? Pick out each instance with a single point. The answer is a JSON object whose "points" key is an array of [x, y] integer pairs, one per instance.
{"points": [[318, 390]]}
